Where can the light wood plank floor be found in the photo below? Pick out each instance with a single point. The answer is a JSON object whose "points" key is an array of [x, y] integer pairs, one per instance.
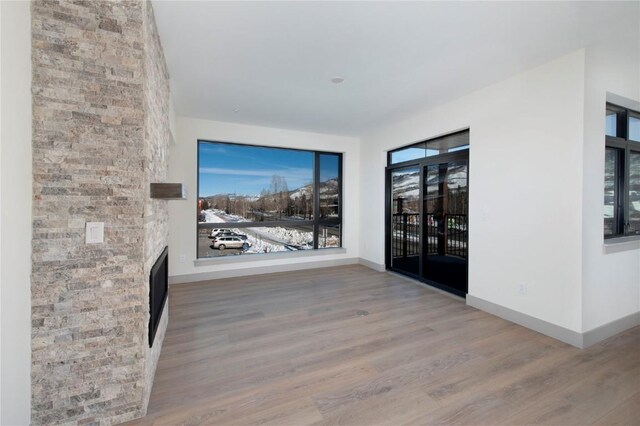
{"points": [[293, 349]]}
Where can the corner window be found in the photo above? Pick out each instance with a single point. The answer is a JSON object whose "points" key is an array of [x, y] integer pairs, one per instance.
{"points": [[622, 173], [257, 199]]}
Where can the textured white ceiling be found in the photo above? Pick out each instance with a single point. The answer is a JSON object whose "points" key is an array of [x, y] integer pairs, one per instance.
{"points": [[270, 63]]}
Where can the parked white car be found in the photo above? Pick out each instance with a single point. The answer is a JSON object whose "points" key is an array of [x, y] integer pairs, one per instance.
{"points": [[215, 232], [228, 242]]}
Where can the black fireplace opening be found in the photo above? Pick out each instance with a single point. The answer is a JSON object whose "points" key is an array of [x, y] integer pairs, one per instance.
{"points": [[158, 292]]}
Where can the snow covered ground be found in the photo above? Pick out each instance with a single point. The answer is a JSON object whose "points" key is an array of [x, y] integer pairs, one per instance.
{"points": [[264, 239], [211, 217]]}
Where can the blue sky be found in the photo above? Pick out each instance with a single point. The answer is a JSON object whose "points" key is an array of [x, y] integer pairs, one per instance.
{"points": [[243, 169], [413, 153]]}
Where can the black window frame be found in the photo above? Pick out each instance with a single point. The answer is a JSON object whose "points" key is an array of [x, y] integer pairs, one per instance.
{"points": [[421, 163], [315, 223], [623, 146], [424, 144]]}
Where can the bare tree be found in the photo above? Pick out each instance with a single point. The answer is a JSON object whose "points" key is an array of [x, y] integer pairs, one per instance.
{"points": [[280, 190], [303, 205], [262, 203]]}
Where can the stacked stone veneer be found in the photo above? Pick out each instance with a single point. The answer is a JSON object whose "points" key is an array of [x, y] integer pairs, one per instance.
{"points": [[100, 136], [156, 163]]}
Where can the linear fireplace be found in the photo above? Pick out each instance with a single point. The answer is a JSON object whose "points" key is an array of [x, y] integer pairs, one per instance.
{"points": [[158, 292]]}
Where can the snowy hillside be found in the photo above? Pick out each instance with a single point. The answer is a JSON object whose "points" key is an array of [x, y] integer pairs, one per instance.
{"points": [[406, 185], [329, 187]]}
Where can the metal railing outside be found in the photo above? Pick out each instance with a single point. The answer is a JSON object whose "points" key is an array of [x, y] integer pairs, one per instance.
{"points": [[405, 235], [444, 234]]}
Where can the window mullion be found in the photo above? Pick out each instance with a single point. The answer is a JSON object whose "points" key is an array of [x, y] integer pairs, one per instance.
{"points": [[625, 170], [316, 199], [622, 125]]}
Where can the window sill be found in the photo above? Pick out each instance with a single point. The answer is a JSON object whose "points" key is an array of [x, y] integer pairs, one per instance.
{"points": [[616, 245], [225, 260]]}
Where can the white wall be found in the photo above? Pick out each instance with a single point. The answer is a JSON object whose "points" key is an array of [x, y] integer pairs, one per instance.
{"points": [[611, 281], [183, 168], [15, 223], [525, 218]]}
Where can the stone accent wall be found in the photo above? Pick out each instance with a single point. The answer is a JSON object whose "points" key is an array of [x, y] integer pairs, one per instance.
{"points": [[100, 96], [156, 161]]}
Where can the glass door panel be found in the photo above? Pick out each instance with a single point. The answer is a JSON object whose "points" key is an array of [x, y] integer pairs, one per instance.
{"points": [[634, 193], [405, 220], [445, 209]]}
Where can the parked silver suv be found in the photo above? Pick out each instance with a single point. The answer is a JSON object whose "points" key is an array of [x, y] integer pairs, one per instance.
{"points": [[225, 242]]}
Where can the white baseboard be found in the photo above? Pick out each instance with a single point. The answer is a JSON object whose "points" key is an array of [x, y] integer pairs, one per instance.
{"points": [[372, 265], [241, 272], [612, 328], [574, 338], [549, 329]]}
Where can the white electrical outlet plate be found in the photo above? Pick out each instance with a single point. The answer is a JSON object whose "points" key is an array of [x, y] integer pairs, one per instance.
{"points": [[94, 233], [183, 258]]}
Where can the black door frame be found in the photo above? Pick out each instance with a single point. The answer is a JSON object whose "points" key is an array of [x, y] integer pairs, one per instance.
{"points": [[421, 163]]}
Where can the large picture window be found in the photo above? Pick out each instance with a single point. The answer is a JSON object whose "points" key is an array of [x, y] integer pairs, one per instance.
{"points": [[622, 173], [257, 199]]}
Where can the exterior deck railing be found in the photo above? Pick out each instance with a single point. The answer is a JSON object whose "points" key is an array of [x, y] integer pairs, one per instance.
{"points": [[444, 234]]}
